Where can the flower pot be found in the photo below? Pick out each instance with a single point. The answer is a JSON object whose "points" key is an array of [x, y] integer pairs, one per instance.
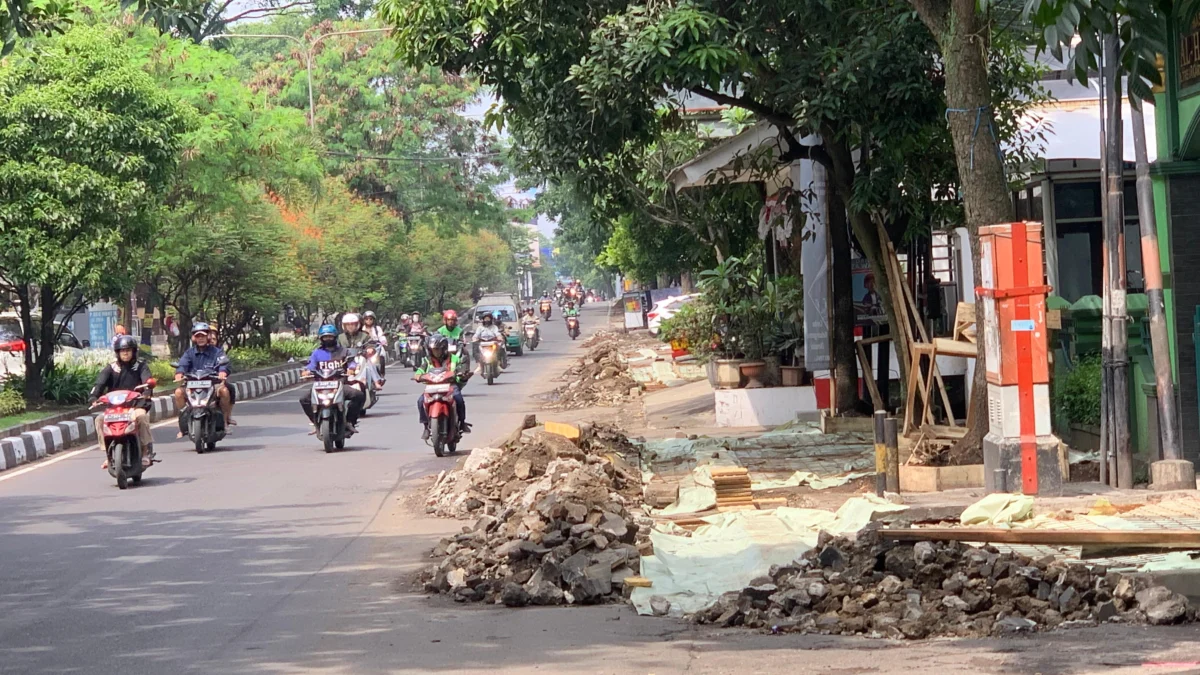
{"points": [[710, 369], [791, 376], [754, 372], [728, 375]]}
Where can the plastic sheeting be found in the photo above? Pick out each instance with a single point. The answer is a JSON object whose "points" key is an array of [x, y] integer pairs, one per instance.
{"points": [[998, 510], [736, 547], [810, 479]]}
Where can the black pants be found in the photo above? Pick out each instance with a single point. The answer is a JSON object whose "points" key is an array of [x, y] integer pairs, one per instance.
{"points": [[355, 400]]}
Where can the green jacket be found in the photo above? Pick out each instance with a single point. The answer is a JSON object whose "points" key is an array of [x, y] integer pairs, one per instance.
{"points": [[568, 311], [455, 334], [427, 365]]}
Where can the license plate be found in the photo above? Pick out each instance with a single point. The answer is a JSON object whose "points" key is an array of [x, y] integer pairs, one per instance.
{"points": [[119, 417], [453, 349], [199, 384], [437, 389], [324, 386]]}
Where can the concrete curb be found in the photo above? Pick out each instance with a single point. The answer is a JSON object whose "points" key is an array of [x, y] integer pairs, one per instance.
{"points": [[54, 438]]}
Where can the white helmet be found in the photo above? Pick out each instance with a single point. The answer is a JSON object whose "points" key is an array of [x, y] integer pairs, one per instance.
{"points": [[350, 317], [404, 317]]}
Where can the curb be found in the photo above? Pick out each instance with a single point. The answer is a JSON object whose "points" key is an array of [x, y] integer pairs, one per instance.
{"points": [[54, 438]]}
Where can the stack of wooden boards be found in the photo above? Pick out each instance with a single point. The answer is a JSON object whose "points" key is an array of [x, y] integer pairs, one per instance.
{"points": [[732, 484]]}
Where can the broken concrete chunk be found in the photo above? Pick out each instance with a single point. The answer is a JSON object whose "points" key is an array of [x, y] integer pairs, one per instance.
{"points": [[1162, 605]]}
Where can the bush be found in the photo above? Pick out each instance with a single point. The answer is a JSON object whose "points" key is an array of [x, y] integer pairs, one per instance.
{"points": [[161, 370], [65, 383], [245, 358], [292, 348], [693, 325], [11, 402], [1079, 393]]}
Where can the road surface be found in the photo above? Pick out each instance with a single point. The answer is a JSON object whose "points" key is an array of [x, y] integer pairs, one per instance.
{"points": [[269, 556]]}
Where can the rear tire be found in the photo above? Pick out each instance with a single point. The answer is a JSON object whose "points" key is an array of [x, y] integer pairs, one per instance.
{"points": [[137, 480], [327, 434], [118, 462]]}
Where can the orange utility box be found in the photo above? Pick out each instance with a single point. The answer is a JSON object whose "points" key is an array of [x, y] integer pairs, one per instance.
{"points": [[1020, 450]]}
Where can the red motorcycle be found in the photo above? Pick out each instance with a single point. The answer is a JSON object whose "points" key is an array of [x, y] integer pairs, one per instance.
{"points": [[444, 432], [118, 429]]}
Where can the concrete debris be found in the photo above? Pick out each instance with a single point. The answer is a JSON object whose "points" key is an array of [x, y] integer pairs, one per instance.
{"points": [[599, 378], [883, 589], [553, 522]]}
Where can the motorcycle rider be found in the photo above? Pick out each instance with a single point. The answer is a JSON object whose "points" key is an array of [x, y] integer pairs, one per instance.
{"points": [[530, 318], [330, 351], [376, 332], [203, 356], [450, 327], [488, 330], [417, 326], [570, 311], [127, 372], [437, 349], [352, 337], [212, 340], [405, 322]]}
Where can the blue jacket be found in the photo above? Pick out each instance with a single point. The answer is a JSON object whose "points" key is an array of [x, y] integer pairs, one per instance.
{"points": [[321, 355], [194, 359]]}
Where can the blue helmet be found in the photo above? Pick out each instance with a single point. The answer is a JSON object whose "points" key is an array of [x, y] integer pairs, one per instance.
{"points": [[327, 329]]}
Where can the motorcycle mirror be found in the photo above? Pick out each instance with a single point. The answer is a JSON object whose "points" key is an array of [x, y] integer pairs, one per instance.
{"points": [[150, 383], [223, 361], [174, 364]]}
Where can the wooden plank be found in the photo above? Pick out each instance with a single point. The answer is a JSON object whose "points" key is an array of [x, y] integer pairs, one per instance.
{"points": [[638, 582], [869, 377], [1174, 539], [771, 502], [943, 431], [728, 471]]}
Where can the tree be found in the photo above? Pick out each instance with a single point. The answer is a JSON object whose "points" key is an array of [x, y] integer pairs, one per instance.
{"points": [[30, 18], [88, 142]]}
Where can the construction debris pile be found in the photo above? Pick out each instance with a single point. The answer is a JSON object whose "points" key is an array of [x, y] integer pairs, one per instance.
{"points": [[599, 378], [878, 588], [553, 521]]}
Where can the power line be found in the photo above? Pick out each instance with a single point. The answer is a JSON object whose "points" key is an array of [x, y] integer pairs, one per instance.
{"points": [[412, 158]]}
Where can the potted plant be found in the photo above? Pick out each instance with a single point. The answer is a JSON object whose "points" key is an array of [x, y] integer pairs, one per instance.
{"points": [[787, 341]]}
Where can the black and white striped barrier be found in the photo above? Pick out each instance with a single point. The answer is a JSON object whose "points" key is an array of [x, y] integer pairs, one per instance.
{"points": [[49, 440]]}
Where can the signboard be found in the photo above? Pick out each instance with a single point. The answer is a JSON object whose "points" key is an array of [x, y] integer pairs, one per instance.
{"points": [[635, 316], [814, 264], [1189, 55], [102, 325]]}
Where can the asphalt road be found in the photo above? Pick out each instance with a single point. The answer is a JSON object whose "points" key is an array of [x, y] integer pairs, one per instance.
{"points": [[269, 556]]}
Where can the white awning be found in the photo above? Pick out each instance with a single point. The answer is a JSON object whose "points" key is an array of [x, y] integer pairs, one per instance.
{"points": [[715, 164]]}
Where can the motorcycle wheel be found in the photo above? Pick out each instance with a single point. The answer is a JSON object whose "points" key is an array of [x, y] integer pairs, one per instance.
{"points": [[118, 462], [437, 438], [491, 377], [198, 436], [327, 434], [520, 351], [136, 479]]}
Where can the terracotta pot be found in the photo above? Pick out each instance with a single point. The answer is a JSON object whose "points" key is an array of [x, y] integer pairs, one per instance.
{"points": [[754, 371], [792, 376], [729, 376]]}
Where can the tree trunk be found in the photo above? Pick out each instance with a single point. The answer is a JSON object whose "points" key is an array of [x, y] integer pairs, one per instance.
{"points": [[962, 34], [845, 357]]}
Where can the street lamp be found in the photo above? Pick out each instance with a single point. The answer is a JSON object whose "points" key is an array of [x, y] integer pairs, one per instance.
{"points": [[308, 54]]}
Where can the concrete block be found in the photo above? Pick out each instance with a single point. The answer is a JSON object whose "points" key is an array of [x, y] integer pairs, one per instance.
{"points": [[55, 441], [35, 441], [1172, 474], [938, 478], [70, 431], [89, 426], [567, 431], [765, 407], [1002, 465]]}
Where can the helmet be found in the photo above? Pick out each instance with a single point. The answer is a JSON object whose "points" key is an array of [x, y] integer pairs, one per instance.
{"points": [[449, 314], [200, 327], [327, 329], [368, 314], [485, 318], [437, 341], [125, 342], [350, 317], [404, 317]]}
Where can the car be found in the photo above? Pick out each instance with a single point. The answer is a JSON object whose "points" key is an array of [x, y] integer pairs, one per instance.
{"points": [[665, 309], [12, 346], [506, 309]]}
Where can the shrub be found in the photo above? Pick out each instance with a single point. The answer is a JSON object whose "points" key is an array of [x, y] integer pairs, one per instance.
{"points": [[11, 402], [65, 383], [161, 370], [1079, 393], [693, 325], [244, 358], [293, 348]]}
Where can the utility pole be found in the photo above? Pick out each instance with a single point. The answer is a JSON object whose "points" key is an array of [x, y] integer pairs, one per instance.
{"points": [[1114, 245], [308, 48]]}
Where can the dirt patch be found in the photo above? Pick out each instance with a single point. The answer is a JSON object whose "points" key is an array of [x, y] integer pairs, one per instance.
{"points": [[599, 378]]}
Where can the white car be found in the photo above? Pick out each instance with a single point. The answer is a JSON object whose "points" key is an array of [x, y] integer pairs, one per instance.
{"points": [[12, 346], [665, 309]]}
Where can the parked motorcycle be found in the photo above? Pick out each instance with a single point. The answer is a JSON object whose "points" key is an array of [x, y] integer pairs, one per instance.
{"points": [[123, 448], [573, 327], [489, 359], [544, 307], [207, 422], [532, 336], [444, 432], [329, 404]]}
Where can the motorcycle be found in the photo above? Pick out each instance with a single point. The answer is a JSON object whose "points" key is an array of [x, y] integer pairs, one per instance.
{"points": [[573, 327], [416, 349], [377, 355], [532, 336], [123, 448], [400, 345], [545, 308], [329, 402], [444, 431], [207, 422], [359, 378], [489, 359]]}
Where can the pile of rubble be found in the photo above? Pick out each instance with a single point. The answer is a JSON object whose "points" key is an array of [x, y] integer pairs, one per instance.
{"points": [[553, 521], [599, 378], [912, 591]]}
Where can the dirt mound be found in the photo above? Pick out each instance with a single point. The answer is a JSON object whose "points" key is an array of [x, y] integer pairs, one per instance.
{"points": [[910, 591], [599, 378], [553, 521]]}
